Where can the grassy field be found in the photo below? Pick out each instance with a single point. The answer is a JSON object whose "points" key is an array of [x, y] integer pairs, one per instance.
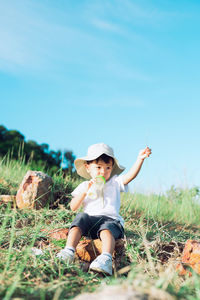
{"points": [[156, 227]]}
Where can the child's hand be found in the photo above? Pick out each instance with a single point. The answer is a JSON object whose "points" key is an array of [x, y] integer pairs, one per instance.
{"points": [[90, 183], [144, 153]]}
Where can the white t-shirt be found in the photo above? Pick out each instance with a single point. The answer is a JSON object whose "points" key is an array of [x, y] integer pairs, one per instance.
{"points": [[110, 206]]}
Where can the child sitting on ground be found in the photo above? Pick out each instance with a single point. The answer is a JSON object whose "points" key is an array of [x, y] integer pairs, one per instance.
{"points": [[100, 219]]}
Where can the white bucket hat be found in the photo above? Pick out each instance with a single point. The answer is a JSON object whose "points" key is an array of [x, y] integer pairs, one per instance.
{"points": [[93, 153]]}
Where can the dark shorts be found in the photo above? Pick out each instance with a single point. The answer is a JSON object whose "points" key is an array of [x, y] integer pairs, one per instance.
{"points": [[92, 225]]}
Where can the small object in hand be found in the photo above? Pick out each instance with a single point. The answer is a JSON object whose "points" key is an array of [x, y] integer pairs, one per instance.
{"points": [[96, 189]]}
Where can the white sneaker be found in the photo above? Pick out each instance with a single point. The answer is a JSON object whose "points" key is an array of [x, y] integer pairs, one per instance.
{"points": [[66, 255], [102, 264]]}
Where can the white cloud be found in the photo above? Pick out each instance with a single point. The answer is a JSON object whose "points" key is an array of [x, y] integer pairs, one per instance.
{"points": [[36, 39], [29, 40]]}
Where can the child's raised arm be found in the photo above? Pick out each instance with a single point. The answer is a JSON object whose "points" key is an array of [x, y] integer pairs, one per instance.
{"points": [[133, 172]]}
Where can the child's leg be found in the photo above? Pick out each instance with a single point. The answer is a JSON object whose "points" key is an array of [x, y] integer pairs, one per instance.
{"points": [[68, 252], [108, 233], [108, 241], [74, 237], [103, 263], [80, 225]]}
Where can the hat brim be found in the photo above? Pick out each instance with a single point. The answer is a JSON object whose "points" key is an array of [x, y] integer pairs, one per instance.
{"points": [[81, 169]]}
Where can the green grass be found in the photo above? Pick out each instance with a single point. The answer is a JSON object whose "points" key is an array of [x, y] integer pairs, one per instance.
{"points": [[152, 223], [23, 273], [181, 206]]}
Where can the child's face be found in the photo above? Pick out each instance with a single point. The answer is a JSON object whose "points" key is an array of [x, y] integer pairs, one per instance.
{"points": [[100, 168]]}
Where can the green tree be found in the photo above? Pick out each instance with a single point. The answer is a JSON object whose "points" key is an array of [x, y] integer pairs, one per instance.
{"points": [[40, 155]]}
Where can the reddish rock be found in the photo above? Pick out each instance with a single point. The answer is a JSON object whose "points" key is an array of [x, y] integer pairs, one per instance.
{"points": [[57, 234], [88, 250], [34, 191], [190, 257], [182, 270]]}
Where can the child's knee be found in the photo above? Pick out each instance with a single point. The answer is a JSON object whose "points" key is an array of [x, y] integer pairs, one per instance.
{"points": [[81, 221], [113, 229], [76, 229], [106, 233]]}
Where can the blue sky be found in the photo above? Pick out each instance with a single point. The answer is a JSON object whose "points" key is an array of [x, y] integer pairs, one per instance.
{"points": [[123, 72]]}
